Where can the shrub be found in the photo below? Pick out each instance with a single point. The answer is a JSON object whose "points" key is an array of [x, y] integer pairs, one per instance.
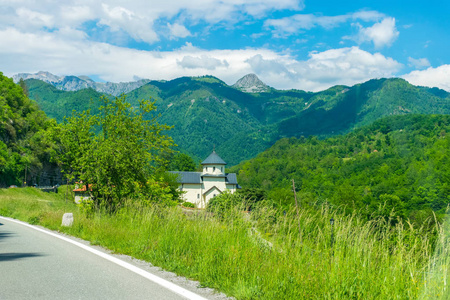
{"points": [[188, 204]]}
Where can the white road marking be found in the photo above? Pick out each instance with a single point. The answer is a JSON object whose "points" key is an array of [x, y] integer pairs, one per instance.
{"points": [[158, 280]]}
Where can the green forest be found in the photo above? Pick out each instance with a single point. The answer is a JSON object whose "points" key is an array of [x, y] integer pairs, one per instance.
{"points": [[396, 167], [23, 146]]}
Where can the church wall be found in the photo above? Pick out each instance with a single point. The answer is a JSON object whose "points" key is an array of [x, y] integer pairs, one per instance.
{"points": [[214, 169], [209, 182], [231, 188], [211, 194], [192, 193]]}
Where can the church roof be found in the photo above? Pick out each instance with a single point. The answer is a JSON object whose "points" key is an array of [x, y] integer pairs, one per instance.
{"points": [[196, 177], [188, 177], [214, 159]]}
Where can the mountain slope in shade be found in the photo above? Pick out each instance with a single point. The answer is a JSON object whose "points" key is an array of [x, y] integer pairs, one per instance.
{"points": [[250, 83], [76, 83]]}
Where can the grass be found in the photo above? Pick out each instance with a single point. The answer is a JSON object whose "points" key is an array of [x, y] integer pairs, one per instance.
{"points": [[260, 256]]}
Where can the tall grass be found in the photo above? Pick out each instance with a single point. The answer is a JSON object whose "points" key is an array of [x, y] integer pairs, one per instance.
{"points": [[260, 256]]}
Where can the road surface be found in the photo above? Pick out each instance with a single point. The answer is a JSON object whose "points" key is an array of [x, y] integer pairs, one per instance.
{"points": [[37, 265]]}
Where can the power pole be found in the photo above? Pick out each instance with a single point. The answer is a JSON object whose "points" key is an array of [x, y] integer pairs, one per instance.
{"points": [[298, 216], [25, 179]]}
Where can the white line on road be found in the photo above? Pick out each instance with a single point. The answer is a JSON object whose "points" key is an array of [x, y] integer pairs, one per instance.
{"points": [[158, 280]]}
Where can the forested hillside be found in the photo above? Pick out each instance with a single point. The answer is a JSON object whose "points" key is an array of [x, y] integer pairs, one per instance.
{"points": [[399, 162], [206, 112], [57, 103], [22, 129]]}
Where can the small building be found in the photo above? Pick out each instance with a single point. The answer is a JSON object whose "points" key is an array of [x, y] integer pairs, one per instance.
{"points": [[200, 187], [81, 193]]}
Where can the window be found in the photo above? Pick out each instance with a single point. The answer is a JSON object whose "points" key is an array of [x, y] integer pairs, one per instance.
{"points": [[198, 196], [214, 169]]}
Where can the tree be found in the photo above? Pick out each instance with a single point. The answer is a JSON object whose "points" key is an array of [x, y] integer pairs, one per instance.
{"points": [[118, 153], [182, 162]]}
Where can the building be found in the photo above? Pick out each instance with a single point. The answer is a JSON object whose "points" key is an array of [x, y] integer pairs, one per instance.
{"points": [[200, 187], [81, 193]]}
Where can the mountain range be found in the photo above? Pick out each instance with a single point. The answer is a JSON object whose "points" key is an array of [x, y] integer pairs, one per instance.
{"points": [[246, 118], [75, 83]]}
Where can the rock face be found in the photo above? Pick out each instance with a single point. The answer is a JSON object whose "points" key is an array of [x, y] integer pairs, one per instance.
{"points": [[67, 220], [75, 83], [250, 83]]}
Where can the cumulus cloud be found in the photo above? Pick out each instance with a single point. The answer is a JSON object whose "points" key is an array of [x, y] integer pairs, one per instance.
{"points": [[178, 31], [346, 66], [136, 18], [382, 34], [431, 77], [419, 63], [62, 55], [294, 24], [202, 62]]}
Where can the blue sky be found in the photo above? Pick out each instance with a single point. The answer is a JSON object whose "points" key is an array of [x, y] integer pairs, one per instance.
{"points": [[309, 45]]}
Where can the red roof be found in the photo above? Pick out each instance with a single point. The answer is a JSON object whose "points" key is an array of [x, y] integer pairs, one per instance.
{"points": [[83, 188]]}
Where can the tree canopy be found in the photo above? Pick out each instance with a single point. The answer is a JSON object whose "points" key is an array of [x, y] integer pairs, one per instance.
{"points": [[117, 153]]}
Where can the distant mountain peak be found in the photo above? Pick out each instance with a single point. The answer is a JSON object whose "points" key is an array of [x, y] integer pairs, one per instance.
{"points": [[75, 83], [250, 83]]}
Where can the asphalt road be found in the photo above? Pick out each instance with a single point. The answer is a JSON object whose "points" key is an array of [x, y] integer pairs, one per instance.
{"points": [[36, 265]]}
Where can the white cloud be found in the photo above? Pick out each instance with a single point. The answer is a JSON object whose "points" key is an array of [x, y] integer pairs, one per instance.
{"points": [[432, 77], [346, 66], [178, 31], [381, 34], [419, 63], [294, 24], [202, 62], [62, 54], [136, 18]]}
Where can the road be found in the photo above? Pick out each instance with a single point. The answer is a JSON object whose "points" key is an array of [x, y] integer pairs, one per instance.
{"points": [[37, 265]]}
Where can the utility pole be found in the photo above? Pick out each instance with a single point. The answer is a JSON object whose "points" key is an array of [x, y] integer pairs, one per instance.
{"points": [[25, 179], [296, 206]]}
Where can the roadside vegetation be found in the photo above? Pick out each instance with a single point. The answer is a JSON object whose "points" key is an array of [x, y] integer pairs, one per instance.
{"points": [[263, 254]]}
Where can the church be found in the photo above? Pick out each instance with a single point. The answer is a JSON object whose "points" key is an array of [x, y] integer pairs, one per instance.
{"points": [[200, 187]]}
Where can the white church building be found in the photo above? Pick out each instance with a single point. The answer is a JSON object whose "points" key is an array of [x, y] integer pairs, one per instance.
{"points": [[200, 187]]}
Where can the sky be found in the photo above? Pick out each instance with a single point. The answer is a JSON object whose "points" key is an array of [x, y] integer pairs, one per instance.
{"points": [[289, 44]]}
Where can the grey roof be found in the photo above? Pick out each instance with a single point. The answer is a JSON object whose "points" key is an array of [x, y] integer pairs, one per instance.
{"points": [[231, 178], [214, 159], [188, 177], [196, 177]]}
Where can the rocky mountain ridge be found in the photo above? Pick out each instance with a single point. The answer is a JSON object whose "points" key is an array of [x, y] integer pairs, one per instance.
{"points": [[250, 83], [76, 83]]}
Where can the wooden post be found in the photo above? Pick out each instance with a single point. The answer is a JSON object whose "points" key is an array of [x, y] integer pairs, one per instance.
{"points": [[296, 206], [67, 188]]}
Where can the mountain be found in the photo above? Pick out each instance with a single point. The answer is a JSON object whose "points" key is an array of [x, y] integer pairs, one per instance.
{"points": [[58, 103], [250, 83], [396, 166], [206, 112], [75, 83]]}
